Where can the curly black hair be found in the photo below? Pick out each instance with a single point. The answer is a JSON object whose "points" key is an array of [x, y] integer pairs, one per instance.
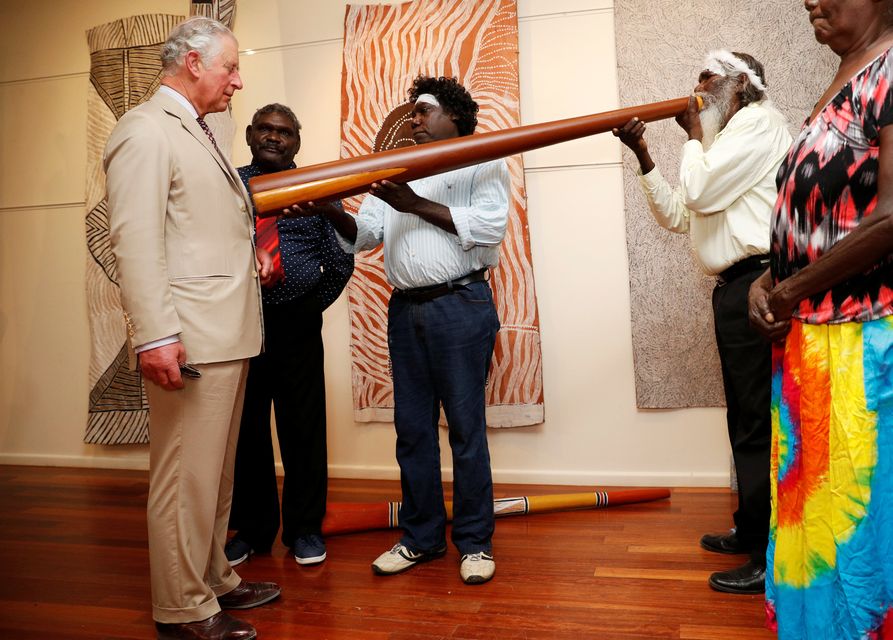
{"points": [[453, 97]]}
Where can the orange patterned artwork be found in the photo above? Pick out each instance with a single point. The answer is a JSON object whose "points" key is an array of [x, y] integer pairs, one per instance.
{"points": [[385, 47]]}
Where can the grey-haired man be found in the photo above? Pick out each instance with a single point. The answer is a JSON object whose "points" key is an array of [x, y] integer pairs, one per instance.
{"points": [[181, 231]]}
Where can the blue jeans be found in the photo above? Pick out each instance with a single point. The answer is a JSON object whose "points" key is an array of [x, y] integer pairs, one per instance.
{"points": [[440, 354]]}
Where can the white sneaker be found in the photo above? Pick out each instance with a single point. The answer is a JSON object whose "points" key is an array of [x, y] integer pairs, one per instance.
{"points": [[477, 568], [399, 559]]}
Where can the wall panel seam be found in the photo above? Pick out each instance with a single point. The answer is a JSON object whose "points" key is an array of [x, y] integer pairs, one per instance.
{"points": [[566, 14], [43, 207], [52, 78]]}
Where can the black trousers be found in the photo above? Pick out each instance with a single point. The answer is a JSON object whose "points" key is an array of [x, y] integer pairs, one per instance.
{"points": [[746, 372], [289, 374]]}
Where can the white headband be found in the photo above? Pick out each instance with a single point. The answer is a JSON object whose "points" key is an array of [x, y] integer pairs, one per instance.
{"points": [[427, 97], [724, 63]]}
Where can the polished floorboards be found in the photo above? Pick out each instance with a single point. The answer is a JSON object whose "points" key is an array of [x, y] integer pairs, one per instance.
{"points": [[74, 565]]}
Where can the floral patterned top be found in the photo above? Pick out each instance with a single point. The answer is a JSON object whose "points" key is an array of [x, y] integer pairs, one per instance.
{"points": [[826, 186]]}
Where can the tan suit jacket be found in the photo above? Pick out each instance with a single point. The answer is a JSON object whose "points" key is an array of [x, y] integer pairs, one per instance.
{"points": [[181, 231]]}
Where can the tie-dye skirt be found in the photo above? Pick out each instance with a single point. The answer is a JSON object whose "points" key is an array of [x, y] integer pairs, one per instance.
{"points": [[830, 557]]}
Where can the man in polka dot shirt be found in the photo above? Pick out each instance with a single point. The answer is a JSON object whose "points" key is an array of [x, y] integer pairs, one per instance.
{"points": [[289, 374]]}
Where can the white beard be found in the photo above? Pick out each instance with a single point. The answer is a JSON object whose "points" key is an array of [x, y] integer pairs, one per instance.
{"points": [[715, 115], [712, 122]]}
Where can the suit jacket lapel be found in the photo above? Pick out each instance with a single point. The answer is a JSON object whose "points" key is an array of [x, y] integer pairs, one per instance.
{"points": [[190, 124]]}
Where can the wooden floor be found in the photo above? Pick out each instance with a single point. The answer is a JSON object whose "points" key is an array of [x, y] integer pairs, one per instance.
{"points": [[73, 564]]}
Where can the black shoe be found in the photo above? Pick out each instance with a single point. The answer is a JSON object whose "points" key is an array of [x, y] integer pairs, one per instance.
{"points": [[749, 578], [723, 543], [237, 551]]}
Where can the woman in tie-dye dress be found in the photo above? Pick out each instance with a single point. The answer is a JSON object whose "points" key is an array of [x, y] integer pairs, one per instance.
{"points": [[828, 301]]}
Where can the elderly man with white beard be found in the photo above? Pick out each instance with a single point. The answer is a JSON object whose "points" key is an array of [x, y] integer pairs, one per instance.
{"points": [[724, 201]]}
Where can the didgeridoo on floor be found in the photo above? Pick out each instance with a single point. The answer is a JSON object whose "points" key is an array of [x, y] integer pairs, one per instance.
{"points": [[353, 517]]}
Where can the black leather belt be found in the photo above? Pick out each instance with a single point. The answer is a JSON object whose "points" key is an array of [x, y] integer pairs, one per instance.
{"points": [[423, 294], [751, 263]]}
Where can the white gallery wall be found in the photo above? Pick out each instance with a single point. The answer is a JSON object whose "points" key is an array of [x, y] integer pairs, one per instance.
{"points": [[593, 432]]}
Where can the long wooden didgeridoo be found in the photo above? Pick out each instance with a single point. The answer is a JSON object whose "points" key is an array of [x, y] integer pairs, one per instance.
{"points": [[353, 517], [274, 192]]}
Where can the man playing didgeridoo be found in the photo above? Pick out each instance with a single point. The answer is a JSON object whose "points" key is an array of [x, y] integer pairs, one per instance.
{"points": [[441, 234], [724, 201]]}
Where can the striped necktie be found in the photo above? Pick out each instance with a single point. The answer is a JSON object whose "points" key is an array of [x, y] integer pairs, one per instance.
{"points": [[207, 130]]}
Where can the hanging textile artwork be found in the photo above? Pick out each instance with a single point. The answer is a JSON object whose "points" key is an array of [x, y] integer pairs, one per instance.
{"points": [[385, 47], [124, 71]]}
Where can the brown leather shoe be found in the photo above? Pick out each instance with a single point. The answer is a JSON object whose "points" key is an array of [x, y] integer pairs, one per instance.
{"points": [[220, 626], [249, 594]]}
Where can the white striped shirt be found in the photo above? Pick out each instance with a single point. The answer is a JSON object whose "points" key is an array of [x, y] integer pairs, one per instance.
{"points": [[418, 253]]}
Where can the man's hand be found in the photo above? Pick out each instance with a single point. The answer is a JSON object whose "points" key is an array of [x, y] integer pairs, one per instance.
{"points": [[263, 262], [311, 209], [343, 222], [399, 196], [632, 134], [760, 313], [690, 120], [161, 365]]}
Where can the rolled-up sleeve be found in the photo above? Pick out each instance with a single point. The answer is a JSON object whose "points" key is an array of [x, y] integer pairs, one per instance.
{"points": [[483, 221], [370, 226]]}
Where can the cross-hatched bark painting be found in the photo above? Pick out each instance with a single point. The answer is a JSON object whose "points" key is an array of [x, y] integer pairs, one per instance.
{"points": [[124, 71], [385, 47]]}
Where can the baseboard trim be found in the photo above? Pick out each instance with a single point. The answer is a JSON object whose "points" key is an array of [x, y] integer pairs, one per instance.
{"points": [[381, 472], [525, 476], [135, 462]]}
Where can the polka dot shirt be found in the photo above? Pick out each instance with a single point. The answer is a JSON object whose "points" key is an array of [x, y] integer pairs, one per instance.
{"points": [[312, 258]]}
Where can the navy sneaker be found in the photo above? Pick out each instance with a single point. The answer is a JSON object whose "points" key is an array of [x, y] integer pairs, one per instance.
{"points": [[310, 549], [237, 551]]}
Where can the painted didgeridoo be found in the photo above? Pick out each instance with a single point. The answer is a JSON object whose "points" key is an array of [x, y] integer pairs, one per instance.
{"points": [[274, 192], [353, 517]]}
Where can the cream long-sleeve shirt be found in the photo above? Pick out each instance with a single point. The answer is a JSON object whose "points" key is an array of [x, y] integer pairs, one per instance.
{"points": [[726, 194]]}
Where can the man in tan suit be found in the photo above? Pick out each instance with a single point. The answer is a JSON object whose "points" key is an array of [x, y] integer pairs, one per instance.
{"points": [[181, 231]]}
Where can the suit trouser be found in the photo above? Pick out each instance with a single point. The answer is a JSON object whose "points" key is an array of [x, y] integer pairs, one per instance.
{"points": [[192, 448], [289, 374], [746, 372]]}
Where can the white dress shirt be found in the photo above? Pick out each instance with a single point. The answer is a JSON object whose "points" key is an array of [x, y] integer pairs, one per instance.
{"points": [[179, 97], [726, 194], [418, 253]]}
